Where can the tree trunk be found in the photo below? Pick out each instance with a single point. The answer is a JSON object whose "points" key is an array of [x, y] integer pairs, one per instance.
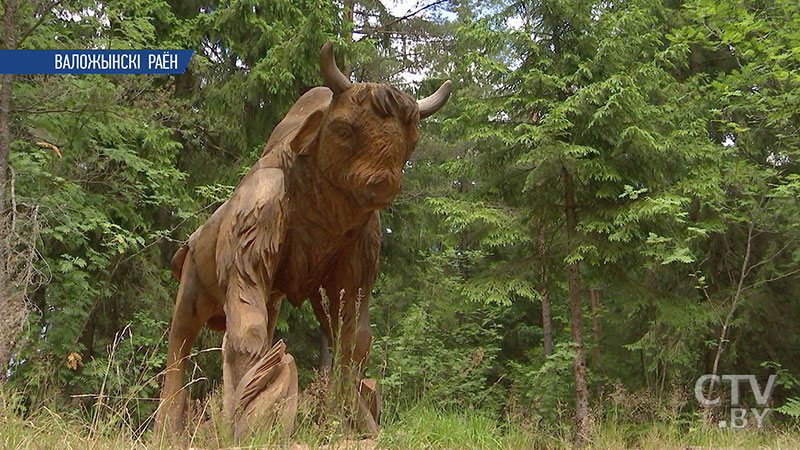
{"points": [[547, 331], [576, 317], [594, 297], [10, 42], [347, 34], [723, 333], [87, 335], [11, 302]]}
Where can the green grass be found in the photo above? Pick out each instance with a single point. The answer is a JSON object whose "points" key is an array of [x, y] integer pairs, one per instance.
{"points": [[418, 427], [431, 428], [661, 436]]}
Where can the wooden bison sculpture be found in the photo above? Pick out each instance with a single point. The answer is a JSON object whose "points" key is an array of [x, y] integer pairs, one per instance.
{"points": [[303, 221]]}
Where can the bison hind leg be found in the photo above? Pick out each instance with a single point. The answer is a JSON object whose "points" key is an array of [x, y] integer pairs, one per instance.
{"points": [[192, 309]]}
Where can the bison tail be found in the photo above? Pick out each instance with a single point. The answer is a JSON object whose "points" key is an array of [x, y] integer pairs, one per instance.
{"points": [[176, 265]]}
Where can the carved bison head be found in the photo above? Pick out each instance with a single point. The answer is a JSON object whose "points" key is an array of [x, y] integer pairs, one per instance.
{"points": [[367, 134]]}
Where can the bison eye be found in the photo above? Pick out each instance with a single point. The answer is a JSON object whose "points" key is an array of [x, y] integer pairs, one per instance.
{"points": [[342, 129]]}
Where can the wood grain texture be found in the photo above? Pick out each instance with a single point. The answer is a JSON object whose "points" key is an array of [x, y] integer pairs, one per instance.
{"points": [[304, 218]]}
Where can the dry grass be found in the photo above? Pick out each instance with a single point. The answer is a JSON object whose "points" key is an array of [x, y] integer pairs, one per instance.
{"points": [[416, 428]]}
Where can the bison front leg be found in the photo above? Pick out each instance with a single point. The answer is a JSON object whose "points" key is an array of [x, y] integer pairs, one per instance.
{"points": [[344, 317], [357, 334], [346, 326], [259, 378]]}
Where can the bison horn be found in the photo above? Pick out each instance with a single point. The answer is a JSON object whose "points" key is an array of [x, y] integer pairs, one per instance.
{"points": [[433, 102], [334, 78]]}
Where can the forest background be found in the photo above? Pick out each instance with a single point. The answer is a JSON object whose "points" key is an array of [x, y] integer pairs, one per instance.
{"points": [[605, 210]]}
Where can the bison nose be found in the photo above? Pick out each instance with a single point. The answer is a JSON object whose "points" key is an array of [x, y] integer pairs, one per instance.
{"points": [[385, 182], [378, 178]]}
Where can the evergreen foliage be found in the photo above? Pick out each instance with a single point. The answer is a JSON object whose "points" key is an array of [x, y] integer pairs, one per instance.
{"points": [[675, 122]]}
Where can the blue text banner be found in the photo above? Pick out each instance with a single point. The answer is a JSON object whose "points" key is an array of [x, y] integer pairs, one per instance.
{"points": [[94, 61]]}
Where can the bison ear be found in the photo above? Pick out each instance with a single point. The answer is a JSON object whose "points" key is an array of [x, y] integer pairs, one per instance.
{"points": [[302, 141]]}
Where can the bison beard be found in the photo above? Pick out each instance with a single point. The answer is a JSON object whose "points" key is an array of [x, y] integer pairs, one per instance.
{"points": [[303, 220]]}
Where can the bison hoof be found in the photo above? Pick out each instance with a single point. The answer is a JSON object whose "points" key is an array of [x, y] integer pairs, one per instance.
{"points": [[170, 417], [369, 405], [266, 396]]}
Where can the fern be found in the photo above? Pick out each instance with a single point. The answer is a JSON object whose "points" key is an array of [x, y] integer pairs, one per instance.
{"points": [[791, 407]]}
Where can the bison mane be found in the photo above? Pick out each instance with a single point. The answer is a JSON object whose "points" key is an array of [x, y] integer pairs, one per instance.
{"points": [[387, 100]]}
